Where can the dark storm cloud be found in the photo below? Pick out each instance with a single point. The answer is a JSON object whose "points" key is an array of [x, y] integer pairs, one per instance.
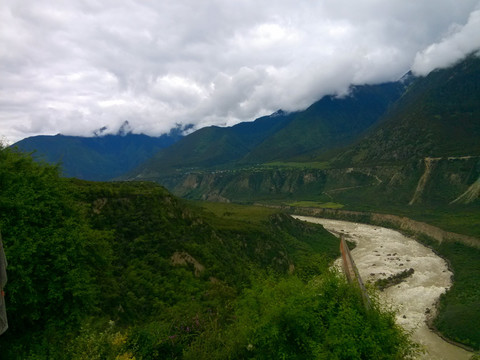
{"points": [[73, 67]]}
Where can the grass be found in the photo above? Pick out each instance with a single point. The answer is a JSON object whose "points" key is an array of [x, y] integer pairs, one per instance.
{"points": [[315, 204], [228, 216], [255, 214], [458, 219], [463, 220], [240, 218]]}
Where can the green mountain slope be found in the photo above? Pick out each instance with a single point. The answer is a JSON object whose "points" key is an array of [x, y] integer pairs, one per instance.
{"points": [[438, 116], [96, 158], [328, 124], [212, 147], [422, 161]]}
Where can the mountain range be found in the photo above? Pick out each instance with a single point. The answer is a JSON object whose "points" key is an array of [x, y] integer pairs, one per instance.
{"points": [[326, 125], [127, 269], [101, 157], [413, 141]]}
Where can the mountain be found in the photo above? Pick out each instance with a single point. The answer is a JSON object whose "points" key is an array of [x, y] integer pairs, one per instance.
{"points": [[438, 116], [422, 150], [328, 124], [420, 160], [213, 146], [96, 158]]}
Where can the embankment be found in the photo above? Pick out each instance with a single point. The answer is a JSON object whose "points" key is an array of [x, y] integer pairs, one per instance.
{"points": [[401, 223]]}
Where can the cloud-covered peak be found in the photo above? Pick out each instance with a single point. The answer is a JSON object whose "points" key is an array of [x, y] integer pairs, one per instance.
{"points": [[460, 42], [76, 66]]}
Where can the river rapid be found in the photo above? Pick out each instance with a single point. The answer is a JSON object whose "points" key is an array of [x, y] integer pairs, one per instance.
{"points": [[382, 252]]}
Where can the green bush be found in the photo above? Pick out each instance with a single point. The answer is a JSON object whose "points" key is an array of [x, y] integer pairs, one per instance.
{"points": [[284, 318]]}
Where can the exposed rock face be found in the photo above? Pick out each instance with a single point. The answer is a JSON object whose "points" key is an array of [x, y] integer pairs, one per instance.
{"points": [[98, 205], [469, 196], [429, 165], [431, 181], [183, 258]]}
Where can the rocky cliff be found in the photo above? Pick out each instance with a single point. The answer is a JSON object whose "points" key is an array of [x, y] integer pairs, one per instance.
{"points": [[431, 181]]}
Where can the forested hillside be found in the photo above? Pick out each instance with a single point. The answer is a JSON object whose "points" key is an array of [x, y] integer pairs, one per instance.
{"points": [[126, 270], [329, 124]]}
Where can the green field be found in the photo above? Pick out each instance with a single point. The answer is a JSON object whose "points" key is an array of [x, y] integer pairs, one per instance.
{"points": [[315, 204]]}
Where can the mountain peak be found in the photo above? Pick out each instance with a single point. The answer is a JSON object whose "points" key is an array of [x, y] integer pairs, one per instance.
{"points": [[125, 129], [279, 112], [100, 132]]}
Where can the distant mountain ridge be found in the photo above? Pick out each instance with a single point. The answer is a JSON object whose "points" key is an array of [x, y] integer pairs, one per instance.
{"points": [[96, 158], [328, 124], [215, 146], [413, 141]]}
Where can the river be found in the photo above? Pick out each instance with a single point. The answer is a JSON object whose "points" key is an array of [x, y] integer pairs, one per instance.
{"points": [[382, 252]]}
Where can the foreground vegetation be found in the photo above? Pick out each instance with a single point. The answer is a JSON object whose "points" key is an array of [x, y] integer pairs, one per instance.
{"points": [[126, 270]]}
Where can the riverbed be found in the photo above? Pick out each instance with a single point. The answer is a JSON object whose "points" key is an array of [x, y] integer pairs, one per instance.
{"points": [[382, 252]]}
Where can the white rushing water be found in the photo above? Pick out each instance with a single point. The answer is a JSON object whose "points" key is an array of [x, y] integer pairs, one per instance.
{"points": [[382, 252]]}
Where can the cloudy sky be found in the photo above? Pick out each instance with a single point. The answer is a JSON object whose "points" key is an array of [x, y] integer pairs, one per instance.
{"points": [[74, 66]]}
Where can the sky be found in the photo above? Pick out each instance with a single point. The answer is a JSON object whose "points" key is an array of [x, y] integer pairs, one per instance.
{"points": [[73, 67]]}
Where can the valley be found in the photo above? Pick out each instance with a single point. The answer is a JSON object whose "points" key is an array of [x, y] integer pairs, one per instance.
{"points": [[175, 177], [417, 167], [194, 242]]}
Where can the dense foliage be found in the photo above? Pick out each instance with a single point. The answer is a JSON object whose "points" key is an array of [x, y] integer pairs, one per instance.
{"points": [[386, 172], [50, 253], [126, 270]]}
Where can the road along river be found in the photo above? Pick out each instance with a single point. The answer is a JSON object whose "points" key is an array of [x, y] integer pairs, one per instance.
{"points": [[382, 252]]}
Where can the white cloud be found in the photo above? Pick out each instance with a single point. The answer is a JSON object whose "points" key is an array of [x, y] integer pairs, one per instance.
{"points": [[461, 41], [73, 67]]}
